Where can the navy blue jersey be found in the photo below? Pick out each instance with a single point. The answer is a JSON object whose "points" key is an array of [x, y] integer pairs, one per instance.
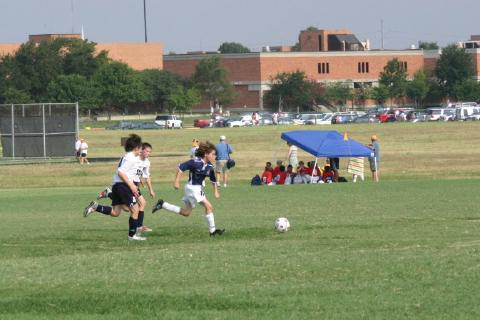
{"points": [[199, 170]]}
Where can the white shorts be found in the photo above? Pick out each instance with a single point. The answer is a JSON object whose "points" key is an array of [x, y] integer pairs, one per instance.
{"points": [[193, 195]]}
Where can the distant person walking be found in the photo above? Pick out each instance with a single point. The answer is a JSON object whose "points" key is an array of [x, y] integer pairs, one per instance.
{"points": [[83, 152], [375, 159], [223, 154], [292, 156], [78, 143]]}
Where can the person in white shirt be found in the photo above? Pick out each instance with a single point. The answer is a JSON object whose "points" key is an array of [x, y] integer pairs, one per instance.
{"points": [[124, 191], [78, 143], [83, 152]]}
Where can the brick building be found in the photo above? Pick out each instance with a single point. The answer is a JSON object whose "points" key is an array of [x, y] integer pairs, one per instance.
{"points": [[139, 56]]}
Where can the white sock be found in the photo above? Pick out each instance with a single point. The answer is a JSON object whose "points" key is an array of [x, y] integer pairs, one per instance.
{"points": [[210, 222], [171, 207]]}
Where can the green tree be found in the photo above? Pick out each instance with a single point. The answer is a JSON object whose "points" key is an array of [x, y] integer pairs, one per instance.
{"points": [[417, 89], [210, 78], [13, 95], [380, 94], [74, 88], [428, 45], [467, 90], [394, 78], [183, 99], [454, 66], [338, 93], [233, 47], [289, 91], [80, 58], [159, 85], [119, 86]]}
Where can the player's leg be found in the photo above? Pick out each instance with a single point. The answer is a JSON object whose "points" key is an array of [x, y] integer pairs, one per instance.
{"points": [[213, 231], [105, 193], [162, 204], [134, 232], [142, 203]]}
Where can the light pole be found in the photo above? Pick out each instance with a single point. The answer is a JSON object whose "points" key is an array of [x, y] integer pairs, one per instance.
{"points": [[145, 19]]}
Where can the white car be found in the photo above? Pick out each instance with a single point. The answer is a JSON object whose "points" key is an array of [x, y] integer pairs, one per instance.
{"points": [[235, 122], [443, 114], [169, 121]]}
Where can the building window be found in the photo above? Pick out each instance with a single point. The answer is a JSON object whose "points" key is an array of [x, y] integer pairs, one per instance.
{"points": [[324, 67], [363, 67]]}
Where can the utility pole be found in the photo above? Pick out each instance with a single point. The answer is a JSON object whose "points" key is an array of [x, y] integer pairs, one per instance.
{"points": [[145, 19], [381, 31]]}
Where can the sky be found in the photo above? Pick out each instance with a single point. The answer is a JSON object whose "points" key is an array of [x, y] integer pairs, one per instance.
{"points": [[194, 25]]}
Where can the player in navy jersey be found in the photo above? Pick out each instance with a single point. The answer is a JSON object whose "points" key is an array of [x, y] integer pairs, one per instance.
{"points": [[124, 191], [199, 168]]}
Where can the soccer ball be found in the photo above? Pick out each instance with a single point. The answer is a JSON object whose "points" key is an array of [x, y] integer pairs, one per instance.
{"points": [[282, 224]]}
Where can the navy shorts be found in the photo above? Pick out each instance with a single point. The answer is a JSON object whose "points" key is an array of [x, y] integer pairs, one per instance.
{"points": [[121, 194]]}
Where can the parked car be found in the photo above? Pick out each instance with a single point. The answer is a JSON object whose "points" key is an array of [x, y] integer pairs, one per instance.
{"points": [[343, 118], [443, 114], [201, 123], [387, 116], [366, 118], [285, 121], [417, 116], [463, 111], [475, 116], [326, 118], [235, 122], [169, 121], [266, 120]]}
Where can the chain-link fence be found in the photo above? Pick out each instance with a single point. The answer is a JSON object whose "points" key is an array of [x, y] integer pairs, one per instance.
{"points": [[38, 130]]}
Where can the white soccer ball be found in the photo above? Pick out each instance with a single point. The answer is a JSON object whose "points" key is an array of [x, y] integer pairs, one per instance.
{"points": [[282, 224]]}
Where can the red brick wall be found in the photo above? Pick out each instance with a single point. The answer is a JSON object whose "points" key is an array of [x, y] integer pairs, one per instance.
{"points": [[139, 56], [8, 48], [342, 66]]}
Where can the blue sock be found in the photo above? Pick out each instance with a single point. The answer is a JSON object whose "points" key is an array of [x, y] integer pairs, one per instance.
{"points": [[140, 218], [106, 210]]}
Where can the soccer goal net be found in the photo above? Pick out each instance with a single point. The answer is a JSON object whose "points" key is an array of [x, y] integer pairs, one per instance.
{"points": [[39, 130]]}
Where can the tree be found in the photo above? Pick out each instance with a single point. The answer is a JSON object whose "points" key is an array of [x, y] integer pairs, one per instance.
{"points": [[233, 47], [74, 88], [159, 85], [119, 86], [183, 99], [289, 91], [467, 90], [338, 94], [394, 78], [210, 78], [380, 94], [418, 88], [454, 66], [428, 45], [12, 95], [81, 59]]}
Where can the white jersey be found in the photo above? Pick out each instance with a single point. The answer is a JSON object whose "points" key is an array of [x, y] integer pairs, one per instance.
{"points": [[145, 170], [78, 143], [130, 165]]}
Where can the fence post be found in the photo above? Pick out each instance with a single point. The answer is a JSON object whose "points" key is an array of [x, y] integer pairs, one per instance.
{"points": [[44, 136], [13, 132], [77, 123]]}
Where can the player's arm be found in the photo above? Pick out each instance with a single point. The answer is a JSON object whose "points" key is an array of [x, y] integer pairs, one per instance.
{"points": [[188, 165], [176, 182], [213, 179], [130, 184], [150, 187]]}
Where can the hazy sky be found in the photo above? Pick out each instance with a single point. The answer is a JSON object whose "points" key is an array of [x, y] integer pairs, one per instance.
{"points": [[203, 25]]}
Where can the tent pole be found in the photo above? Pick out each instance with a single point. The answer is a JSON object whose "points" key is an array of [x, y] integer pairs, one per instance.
{"points": [[315, 169]]}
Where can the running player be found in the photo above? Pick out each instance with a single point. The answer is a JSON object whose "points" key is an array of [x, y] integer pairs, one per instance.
{"points": [[143, 174], [124, 191], [199, 168]]}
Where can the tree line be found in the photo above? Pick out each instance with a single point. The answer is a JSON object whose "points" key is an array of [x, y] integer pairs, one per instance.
{"points": [[69, 70]]}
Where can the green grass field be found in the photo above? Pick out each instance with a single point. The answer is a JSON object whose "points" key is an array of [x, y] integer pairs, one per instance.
{"points": [[405, 248]]}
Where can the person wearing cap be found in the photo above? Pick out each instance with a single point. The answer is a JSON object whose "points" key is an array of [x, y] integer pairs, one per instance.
{"points": [[223, 154], [193, 150], [375, 158]]}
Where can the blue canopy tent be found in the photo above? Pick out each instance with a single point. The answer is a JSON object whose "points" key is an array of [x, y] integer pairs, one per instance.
{"points": [[328, 144]]}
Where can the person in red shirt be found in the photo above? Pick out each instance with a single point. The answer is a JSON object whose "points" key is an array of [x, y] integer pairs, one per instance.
{"points": [[267, 175], [328, 175], [282, 176], [276, 170]]}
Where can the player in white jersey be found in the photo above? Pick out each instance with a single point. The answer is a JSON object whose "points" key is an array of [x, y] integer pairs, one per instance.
{"points": [[124, 191]]}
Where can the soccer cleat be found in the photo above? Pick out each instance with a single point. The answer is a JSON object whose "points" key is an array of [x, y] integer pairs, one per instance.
{"points": [[217, 232], [104, 193], [89, 209], [158, 206], [145, 229], [136, 237]]}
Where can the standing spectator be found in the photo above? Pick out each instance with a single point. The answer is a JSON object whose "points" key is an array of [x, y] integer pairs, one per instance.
{"points": [[375, 158], [223, 154], [275, 118], [292, 155], [194, 149], [78, 143], [83, 152], [335, 166]]}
